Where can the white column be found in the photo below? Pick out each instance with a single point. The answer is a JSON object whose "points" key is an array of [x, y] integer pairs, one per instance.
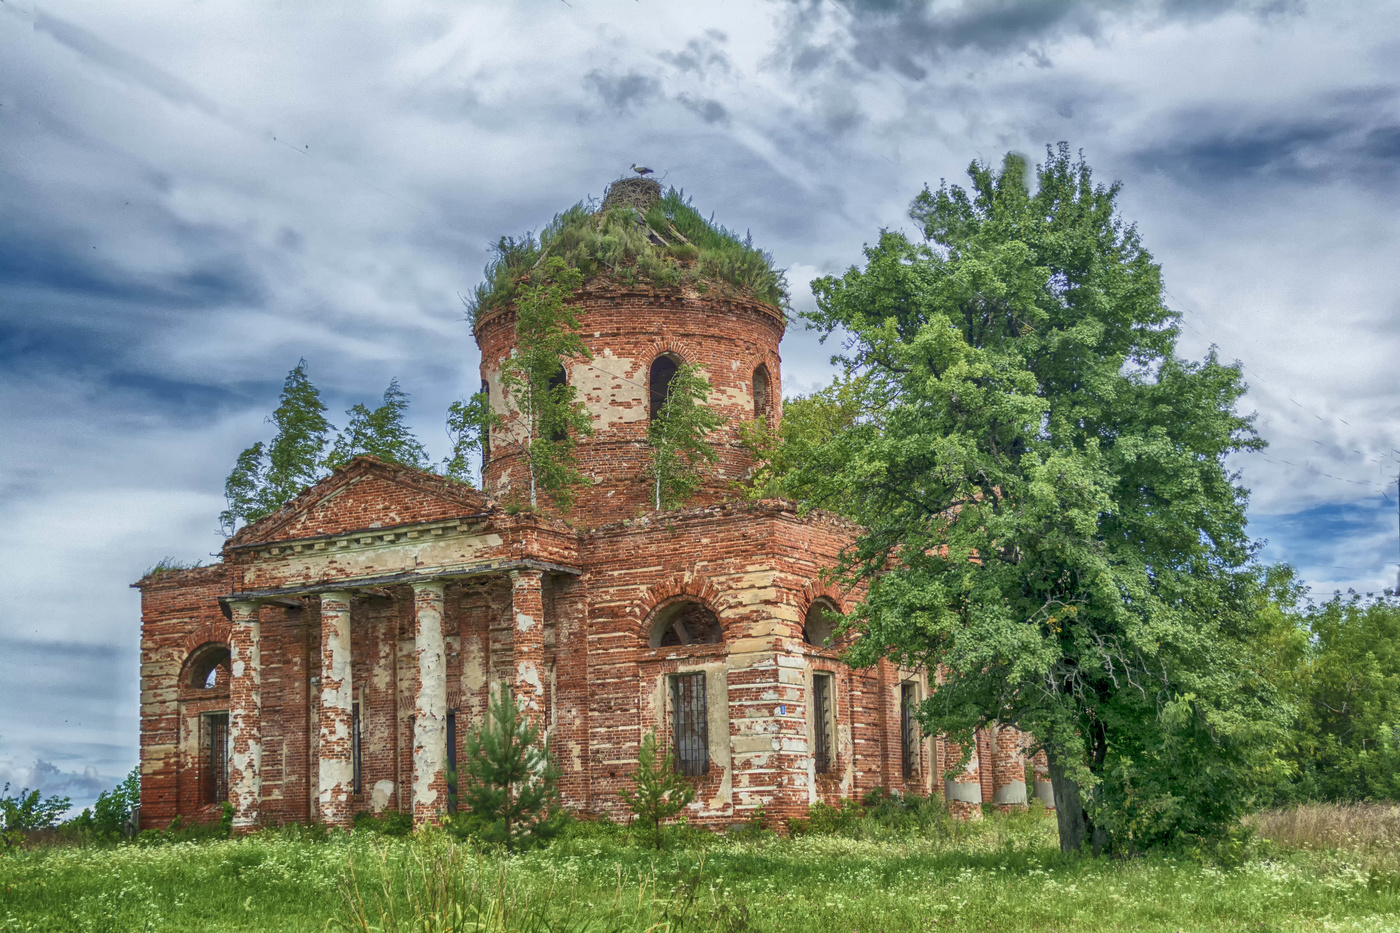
{"points": [[336, 747], [245, 717], [430, 708]]}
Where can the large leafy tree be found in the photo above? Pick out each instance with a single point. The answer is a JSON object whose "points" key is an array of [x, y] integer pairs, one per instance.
{"points": [[678, 435], [547, 417], [1050, 523], [380, 432], [265, 476]]}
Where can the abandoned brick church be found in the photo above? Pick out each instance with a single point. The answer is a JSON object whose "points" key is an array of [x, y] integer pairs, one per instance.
{"points": [[335, 657]]}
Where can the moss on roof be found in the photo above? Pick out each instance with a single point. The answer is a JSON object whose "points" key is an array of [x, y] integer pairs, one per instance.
{"points": [[665, 243]]}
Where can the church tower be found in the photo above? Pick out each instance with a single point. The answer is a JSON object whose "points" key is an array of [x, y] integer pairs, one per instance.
{"points": [[639, 331]]}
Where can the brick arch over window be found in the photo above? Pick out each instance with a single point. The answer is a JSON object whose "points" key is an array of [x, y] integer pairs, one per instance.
{"points": [[814, 597], [680, 588], [767, 362], [207, 666]]}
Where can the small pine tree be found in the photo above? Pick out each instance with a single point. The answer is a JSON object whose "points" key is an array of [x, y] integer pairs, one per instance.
{"points": [[265, 476], [380, 433], [508, 781], [678, 438], [660, 791]]}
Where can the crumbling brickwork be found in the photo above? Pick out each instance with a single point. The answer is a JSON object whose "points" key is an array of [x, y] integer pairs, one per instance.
{"points": [[343, 646]]}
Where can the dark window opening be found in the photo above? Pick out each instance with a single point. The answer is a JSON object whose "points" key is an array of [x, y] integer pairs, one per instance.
{"points": [[214, 751], [909, 729], [762, 403], [451, 761], [686, 624], [557, 431], [822, 690], [820, 626], [690, 724], [358, 779], [663, 370], [210, 668]]}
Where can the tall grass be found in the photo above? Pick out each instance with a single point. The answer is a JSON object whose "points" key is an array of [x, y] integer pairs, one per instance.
{"points": [[998, 874], [1370, 831]]}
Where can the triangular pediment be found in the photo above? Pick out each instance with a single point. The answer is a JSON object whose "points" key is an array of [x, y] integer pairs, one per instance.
{"points": [[366, 493]]}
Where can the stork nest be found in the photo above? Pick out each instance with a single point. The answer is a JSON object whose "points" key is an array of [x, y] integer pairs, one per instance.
{"points": [[640, 194]]}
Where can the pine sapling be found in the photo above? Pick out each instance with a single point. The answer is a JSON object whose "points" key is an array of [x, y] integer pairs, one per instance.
{"points": [[660, 791]]}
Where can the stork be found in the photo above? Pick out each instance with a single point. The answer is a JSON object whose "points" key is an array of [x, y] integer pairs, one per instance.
{"points": [[642, 170]]}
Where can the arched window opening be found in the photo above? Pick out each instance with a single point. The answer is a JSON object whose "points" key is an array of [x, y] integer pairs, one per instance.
{"points": [[820, 626], [557, 431], [663, 370], [209, 668], [685, 623], [762, 400]]}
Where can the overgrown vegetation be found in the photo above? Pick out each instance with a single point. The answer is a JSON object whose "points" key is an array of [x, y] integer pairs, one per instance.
{"points": [[670, 246], [680, 451], [1002, 873]]}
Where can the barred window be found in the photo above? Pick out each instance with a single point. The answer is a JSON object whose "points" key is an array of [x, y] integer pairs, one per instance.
{"points": [[823, 689], [358, 780], [909, 729], [690, 723], [214, 750]]}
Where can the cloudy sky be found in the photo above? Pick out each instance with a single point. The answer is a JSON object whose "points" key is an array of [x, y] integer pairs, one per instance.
{"points": [[196, 193]]}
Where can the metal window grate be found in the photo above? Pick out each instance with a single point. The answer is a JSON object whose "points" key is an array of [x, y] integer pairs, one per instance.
{"points": [[690, 725], [358, 787], [216, 730], [451, 762], [821, 725], [909, 732]]}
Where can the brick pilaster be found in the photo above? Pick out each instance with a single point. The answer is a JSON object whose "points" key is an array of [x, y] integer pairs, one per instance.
{"points": [[527, 633]]}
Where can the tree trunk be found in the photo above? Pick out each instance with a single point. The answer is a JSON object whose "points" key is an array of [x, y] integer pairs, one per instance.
{"points": [[1069, 808]]}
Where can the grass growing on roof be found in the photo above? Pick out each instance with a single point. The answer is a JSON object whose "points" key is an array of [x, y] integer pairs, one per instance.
{"points": [[670, 246]]}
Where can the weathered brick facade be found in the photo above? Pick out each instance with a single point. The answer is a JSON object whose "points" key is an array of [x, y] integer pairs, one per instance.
{"points": [[341, 641]]}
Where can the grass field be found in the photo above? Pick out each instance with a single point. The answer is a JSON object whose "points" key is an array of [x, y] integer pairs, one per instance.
{"points": [[1003, 874]]}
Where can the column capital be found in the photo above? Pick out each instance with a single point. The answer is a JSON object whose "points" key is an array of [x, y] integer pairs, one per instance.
{"points": [[527, 573], [246, 609], [437, 587]]}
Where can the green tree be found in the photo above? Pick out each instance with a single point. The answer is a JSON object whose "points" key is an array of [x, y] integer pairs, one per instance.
{"points": [[26, 812], [548, 418], [678, 436], [1048, 517], [808, 423], [659, 791], [508, 782], [467, 423], [1345, 742], [380, 433], [266, 476]]}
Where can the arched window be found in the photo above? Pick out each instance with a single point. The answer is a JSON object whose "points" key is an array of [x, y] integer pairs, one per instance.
{"points": [[820, 625], [685, 623], [663, 370], [762, 399], [557, 431], [208, 667]]}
